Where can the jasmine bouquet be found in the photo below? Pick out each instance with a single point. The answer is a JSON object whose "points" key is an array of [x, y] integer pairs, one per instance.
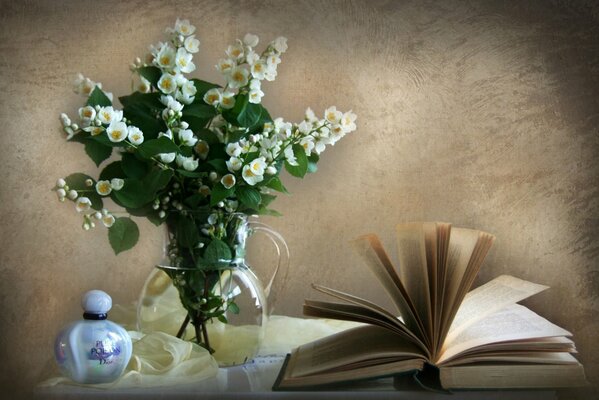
{"points": [[189, 153]]}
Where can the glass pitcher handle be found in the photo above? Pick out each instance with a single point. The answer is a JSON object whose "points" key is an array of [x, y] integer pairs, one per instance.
{"points": [[282, 265]]}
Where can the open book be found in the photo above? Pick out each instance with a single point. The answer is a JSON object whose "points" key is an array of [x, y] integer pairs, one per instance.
{"points": [[477, 339]]}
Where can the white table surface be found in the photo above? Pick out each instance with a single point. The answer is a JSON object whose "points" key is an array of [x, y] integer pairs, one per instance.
{"points": [[255, 379]]}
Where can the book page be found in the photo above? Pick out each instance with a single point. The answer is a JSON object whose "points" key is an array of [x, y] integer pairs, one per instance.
{"points": [[467, 251], [490, 298], [413, 271], [515, 322], [353, 346], [370, 248]]}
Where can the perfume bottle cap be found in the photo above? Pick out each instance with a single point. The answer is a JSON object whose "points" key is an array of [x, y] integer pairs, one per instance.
{"points": [[96, 304]]}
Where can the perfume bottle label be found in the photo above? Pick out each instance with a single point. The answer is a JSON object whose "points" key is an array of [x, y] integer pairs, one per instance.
{"points": [[104, 351]]}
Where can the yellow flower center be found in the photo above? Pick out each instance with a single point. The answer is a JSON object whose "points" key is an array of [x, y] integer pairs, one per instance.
{"points": [[238, 76], [165, 60], [116, 134]]}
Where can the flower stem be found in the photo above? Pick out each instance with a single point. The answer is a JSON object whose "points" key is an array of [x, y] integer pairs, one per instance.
{"points": [[183, 326]]}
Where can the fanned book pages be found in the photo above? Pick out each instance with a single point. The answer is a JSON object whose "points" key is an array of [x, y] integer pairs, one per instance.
{"points": [[439, 333]]}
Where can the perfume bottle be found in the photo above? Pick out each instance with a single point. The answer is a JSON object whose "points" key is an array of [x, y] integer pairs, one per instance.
{"points": [[93, 350]]}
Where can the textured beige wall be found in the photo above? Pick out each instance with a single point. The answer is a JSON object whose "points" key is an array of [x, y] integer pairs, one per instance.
{"points": [[484, 114]]}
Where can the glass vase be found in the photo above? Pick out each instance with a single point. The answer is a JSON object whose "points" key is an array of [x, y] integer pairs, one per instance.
{"points": [[218, 302]]}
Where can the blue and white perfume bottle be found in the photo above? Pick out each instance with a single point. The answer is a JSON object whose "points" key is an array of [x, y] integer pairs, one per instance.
{"points": [[93, 350]]}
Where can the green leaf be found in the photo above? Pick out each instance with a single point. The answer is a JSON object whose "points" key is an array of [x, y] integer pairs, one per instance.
{"points": [[123, 234], [134, 194], [234, 308], [187, 232], [151, 101], [145, 117], [148, 212], [151, 73], [134, 167], [244, 113], [236, 136], [249, 196], [77, 182], [190, 174], [201, 88], [276, 184], [98, 98], [217, 253], [97, 151], [312, 160], [219, 192], [157, 179], [150, 148], [267, 199], [269, 211], [222, 319], [220, 166], [207, 135], [112, 170], [198, 115], [301, 168]]}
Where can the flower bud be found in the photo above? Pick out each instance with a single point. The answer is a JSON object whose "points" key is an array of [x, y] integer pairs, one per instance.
{"points": [[60, 183], [72, 194], [89, 182], [98, 215], [271, 170], [213, 176], [74, 127], [220, 204], [161, 214], [61, 193], [171, 113]]}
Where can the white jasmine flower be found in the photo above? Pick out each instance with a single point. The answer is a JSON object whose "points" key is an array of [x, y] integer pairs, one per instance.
{"points": [[202, 148], [103, 188], [310, 116], [65, 120], [289, 156], [238, 77], [144, 85], [233, 149], [234, 164], [184, 62], [84, 86], [304, 127], [183, 27], [188, 163], [337, 131], [166, 57], [168, 134], [135, 135], [235, 51], [270, 74], [250, 40], [253, 172], [192, 44], [255, 96], [348, 121], [273, 60], [213, 97], [117, 132], [251, 57], [94, 130], [108, 220], [106, 115], [319, 146], [61, 193], [204, 190], [259, 69], [167, 83], [83, 204], [308, 144], [174, 105], [87, 113], [228, 181], [332, 115], [117, 184], [189, 89], [167, 158], [187, 137], [72, 195], [280, 44], [227, 100], [225, 65]]}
